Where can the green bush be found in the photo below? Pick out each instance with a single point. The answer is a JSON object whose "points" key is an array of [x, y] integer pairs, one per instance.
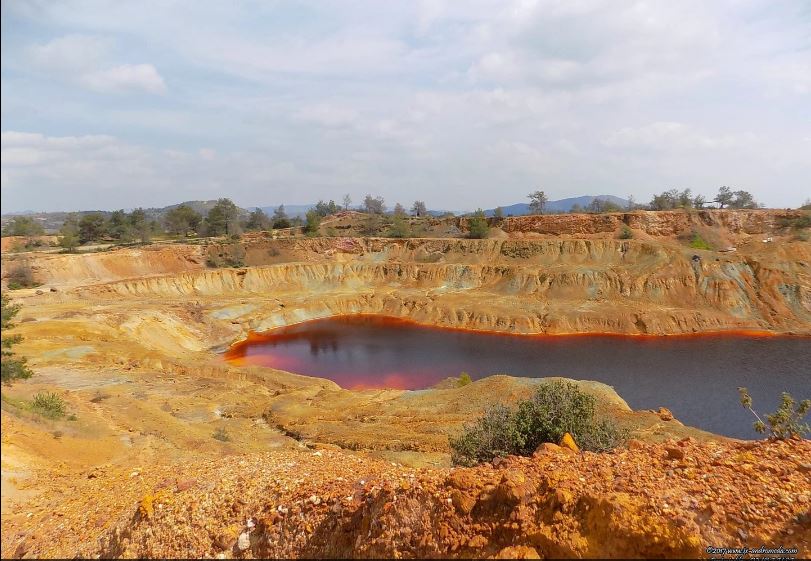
{"points": [[799, 223], [494, 434], [313, 223], [48, 405], [478, 227], [626, 233], [784, 423], [464, 379], [554, 409], [698, 242], [399, 228], [13, 366]]}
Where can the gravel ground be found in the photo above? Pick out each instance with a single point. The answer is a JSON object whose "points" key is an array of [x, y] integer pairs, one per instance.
{"points": [[672, 499]]}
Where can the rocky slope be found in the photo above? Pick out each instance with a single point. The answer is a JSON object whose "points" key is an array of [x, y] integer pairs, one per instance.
{"points": [[657, 224], [539, 286], [674, 499]]}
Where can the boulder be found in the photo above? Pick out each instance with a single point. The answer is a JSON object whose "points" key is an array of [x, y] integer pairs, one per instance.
{"points": [[568, 442]]}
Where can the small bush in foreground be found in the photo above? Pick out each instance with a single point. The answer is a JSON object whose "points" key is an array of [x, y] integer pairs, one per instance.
{"points": [[784, 423], [48, 405], [555, 409], [626, 233], [464, 379], [494, 434]]}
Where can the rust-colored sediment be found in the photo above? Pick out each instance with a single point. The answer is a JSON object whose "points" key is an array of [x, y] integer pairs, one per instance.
{"points": [[666, 500]]}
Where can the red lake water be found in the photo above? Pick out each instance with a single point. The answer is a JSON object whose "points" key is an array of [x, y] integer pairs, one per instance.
{"points": [[696, 377]]}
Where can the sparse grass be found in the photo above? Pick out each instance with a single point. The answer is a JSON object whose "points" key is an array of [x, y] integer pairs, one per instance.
{"points": [[799, 223], [29, 245], [48, 405], [626, 233], [697, 242], [224, 261], [99, 397], [21, 276], [221, 435]]}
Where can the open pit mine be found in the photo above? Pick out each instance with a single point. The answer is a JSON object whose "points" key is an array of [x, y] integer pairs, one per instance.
{"points": [[170, 449]]}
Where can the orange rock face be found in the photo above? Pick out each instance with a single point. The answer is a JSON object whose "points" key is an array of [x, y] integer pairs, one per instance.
{"points": [[628, 503], [659, 224]]}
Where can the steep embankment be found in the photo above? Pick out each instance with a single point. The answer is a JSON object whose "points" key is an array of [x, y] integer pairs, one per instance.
{"points": [[542, 286], [656, 224], [68, 270]]}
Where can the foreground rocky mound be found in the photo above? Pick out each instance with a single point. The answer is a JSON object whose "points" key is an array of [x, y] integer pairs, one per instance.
{"points": [[673, 499]]}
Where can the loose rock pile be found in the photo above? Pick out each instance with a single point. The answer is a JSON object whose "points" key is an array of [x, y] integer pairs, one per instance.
{"points": [[673, 499]]}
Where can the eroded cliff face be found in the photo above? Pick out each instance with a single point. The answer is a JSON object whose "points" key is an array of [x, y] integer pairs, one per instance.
{"points": [[544, 286], [657, 224], [69, 270]]}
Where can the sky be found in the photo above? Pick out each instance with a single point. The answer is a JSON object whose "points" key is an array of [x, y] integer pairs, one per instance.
{"points": [[462, 104]]}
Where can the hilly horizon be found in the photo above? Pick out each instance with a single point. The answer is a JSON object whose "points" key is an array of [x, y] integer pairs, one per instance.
{"points": [[516, 209], [560, 205]]}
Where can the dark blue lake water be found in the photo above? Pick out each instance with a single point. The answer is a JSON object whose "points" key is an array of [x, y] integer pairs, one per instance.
{"points": [[695, 377]]}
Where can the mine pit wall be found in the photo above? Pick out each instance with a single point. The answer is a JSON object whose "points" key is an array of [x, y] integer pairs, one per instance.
{"points": [[661, 223], [449, 250], [90, 268], [559, 286]]}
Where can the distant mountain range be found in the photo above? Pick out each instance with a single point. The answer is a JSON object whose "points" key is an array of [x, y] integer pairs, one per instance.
{"points": [[292, 211], [561, 205], [518, 209]]}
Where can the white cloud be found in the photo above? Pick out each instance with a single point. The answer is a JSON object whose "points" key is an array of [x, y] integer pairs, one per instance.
{"points": [[85, 60], [438, 99], [676, 136], [327, 115], [69, 53], [127, 77]]}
